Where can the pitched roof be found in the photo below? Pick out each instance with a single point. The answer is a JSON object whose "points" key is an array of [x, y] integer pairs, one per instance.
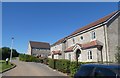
{"points": [[91, 44], [58, 42], [70, 49], [35, 44], [56, 52], [99, 21], [94, 43]]}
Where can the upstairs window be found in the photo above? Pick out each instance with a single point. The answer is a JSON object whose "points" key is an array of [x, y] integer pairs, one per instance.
{"points": [[93, 34], [73, 41]]}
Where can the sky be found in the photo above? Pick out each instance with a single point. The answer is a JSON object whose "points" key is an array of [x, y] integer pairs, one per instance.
{"points": [[47, 21]]}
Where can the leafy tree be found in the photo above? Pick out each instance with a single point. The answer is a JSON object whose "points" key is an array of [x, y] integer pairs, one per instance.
{"points": [[5, 53], [117, 55]]}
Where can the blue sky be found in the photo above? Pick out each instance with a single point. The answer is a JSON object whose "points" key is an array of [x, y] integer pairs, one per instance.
{"points": [[47, 22]]}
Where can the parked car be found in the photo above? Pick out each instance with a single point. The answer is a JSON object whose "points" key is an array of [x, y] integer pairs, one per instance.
{"points": [[98, 71]]}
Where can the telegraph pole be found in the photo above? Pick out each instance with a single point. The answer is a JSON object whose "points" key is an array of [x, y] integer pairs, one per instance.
{"points": [[11, 49]]}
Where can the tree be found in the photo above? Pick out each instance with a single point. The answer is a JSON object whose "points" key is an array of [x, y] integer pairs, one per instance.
{"points": [[117, 55], [5, 53]]}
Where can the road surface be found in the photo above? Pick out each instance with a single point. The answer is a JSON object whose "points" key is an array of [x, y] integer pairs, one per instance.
{"points": [[31, 69]]}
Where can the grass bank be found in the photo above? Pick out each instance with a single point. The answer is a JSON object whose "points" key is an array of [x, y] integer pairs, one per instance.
{"points": [[4, 66]]}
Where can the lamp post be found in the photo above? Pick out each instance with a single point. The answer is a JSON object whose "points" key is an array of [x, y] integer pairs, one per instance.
{"points": [[11, 49]]}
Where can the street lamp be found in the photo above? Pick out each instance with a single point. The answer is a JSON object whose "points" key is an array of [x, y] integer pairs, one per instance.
{"points": [[11, 49]]}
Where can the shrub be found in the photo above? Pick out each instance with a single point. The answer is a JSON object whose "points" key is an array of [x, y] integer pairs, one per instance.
{"points": [[51, 63], [74, 68], [63, 65], [29, 58], [117, 55], [45, 61]]}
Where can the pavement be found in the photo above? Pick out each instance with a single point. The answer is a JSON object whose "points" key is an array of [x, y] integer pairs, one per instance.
{"points": [[31, 69]]}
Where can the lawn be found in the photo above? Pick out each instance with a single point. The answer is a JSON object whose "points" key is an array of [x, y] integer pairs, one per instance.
{"points": [[4, 66]]}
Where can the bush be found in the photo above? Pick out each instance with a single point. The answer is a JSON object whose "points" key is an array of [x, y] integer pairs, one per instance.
{"points": [[117, 55], [51, 63], [63, 65], [29, 58], [45, 61], [74, 68]]}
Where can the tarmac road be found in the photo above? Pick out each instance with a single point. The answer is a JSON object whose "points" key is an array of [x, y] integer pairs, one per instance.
{"points": [[31, 69]]}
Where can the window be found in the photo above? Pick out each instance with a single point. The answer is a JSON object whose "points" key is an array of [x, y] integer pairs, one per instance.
{"points": [[69, 56], [89, 54], [93, 35], [73, 41], [81, 37]]}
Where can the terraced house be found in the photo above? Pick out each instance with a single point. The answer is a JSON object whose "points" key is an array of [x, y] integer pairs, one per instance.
{"points": [[96, 42]]}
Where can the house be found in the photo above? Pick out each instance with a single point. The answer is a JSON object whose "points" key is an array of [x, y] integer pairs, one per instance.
{"points": [[57, 49], [39, 49], [95, 42]]}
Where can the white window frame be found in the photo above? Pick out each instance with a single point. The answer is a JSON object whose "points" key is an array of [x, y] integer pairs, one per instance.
{"points": [[93, 35]]}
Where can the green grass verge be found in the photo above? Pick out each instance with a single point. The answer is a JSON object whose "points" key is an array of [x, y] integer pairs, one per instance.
{"points": [[4, 66]]}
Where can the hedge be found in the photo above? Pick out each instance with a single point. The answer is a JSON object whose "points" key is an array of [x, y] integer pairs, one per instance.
{"points": [[65, 66], [62, 65], [74, 67], [51, 63], [29, 58]]}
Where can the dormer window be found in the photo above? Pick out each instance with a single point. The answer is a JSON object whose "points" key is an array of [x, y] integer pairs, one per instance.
{"points": [[93, 34]]}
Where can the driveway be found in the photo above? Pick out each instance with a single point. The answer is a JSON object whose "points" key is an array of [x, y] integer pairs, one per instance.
{"points": [[31, 69]]}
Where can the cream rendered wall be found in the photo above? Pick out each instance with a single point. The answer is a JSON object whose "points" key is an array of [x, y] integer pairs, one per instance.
{"points": [[56, 56], [70, 58], [29, 49], [69, 43], [56, 48], [84, 55], [100, 36], [87, 38], [112, 30]]}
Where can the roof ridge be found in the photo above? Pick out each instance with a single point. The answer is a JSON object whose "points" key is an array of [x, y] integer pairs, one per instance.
{"points": [[38, 42], [106, 16], [94, 23]]}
